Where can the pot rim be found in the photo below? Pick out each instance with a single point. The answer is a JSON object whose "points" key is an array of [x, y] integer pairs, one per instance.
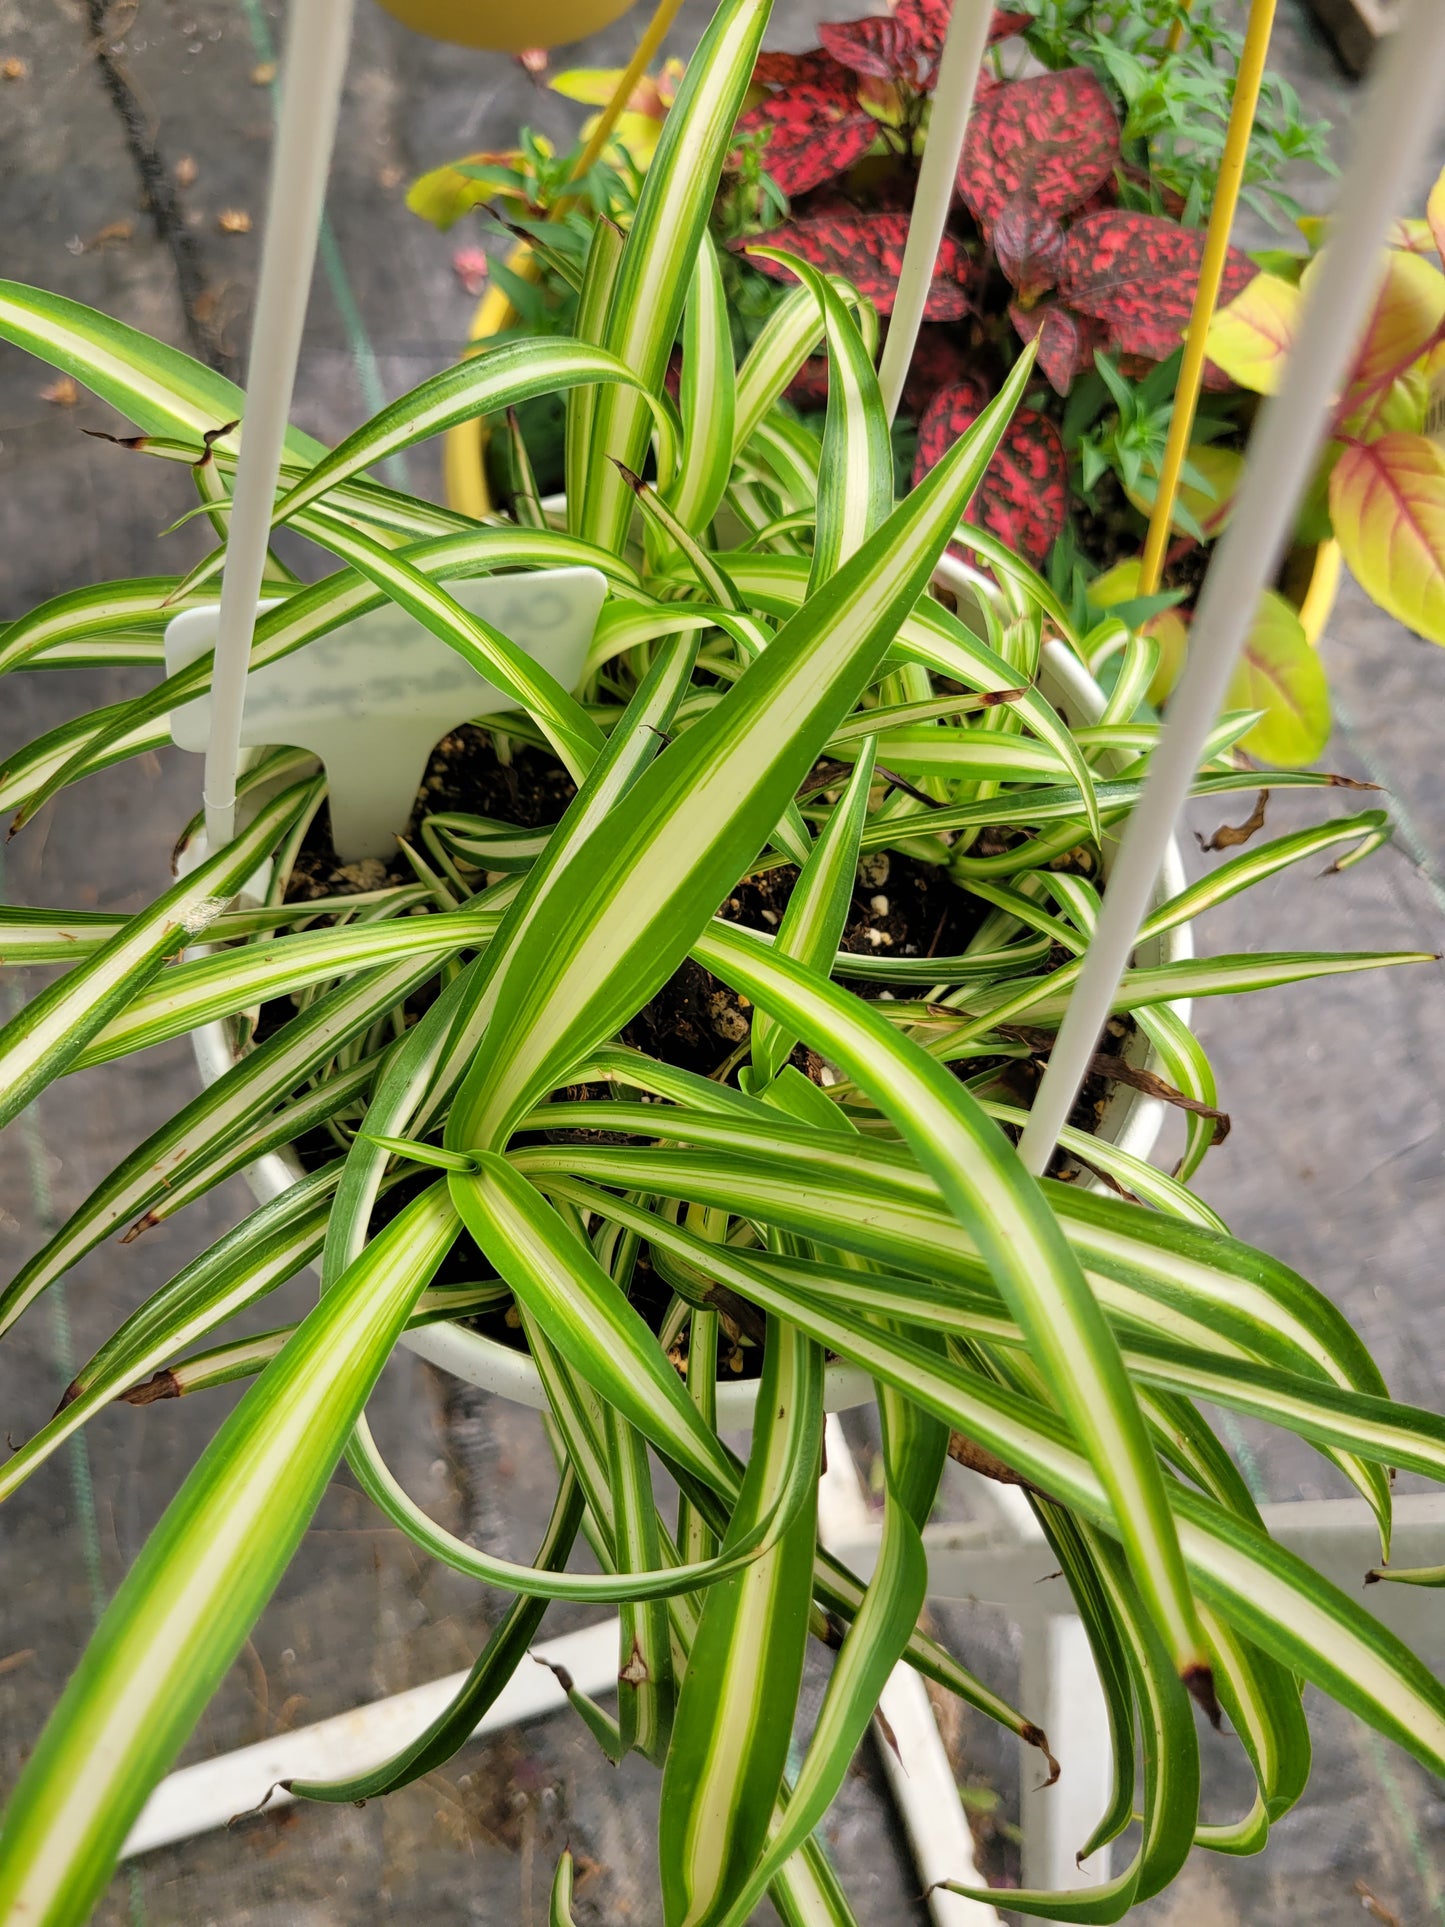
{"points": [[1131, 1121]]}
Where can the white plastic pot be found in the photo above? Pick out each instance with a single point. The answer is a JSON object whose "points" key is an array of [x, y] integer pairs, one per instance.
{"points": [[1130, 1120]]}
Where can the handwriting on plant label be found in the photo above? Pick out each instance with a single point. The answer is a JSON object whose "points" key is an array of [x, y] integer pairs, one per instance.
{"points": [[373, 697]]}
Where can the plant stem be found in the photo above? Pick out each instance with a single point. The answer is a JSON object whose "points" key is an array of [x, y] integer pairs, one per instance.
{"points": [[1247, 83], [963, 51], [1396, 126]]}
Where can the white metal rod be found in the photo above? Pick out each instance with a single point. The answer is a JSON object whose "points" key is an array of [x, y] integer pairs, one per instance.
{"points": [[320, 31], [205, 1796], [963, 50], [1396, 126]]}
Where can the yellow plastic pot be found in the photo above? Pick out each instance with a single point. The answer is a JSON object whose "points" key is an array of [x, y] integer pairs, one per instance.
{"points": [[507, 26], [1312, 581]]}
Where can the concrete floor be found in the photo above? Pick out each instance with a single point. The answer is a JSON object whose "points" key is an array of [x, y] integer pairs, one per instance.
{"points": [[1335, 1160]]}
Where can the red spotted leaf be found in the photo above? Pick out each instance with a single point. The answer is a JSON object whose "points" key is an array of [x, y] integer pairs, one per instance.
{"points": [[927, 22], [867, 249], [1137, 274], [1054, 137], [939, 358], [815, 130], [1024, 495], [881, 47], [786, 70], [1029, 245], [1066, 339]]}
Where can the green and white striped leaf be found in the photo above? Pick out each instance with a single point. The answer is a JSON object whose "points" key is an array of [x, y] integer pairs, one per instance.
{"points": [[707, 396], [185, 1608], [49, 1035]]}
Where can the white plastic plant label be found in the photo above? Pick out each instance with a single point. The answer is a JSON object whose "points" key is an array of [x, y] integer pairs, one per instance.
{"points": [[373, 698]]}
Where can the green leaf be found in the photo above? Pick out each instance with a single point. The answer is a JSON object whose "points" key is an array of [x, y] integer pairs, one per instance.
{"points": [[188, 1603], [1280, 674], [989, 1192], [698, 817], [50, 1033], [707, 396], [730, 1743]]}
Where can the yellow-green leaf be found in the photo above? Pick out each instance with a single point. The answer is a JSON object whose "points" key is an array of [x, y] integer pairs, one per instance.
{"points": [[1387, 502], [1279, 673], [1251, 338]]}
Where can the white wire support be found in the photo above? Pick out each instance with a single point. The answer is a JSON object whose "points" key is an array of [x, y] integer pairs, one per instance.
{"points": [[1396, 125], [316, 47], [963, 49]]}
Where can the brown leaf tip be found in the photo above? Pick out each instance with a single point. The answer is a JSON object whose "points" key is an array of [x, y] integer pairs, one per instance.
{"points": [[1032, 1735], [165, 1384], [1199, 1684]]}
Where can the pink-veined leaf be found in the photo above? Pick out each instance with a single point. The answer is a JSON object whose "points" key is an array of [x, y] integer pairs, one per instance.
{"points": [[1066, 339], [1387, 504], [1054, 137], [1250, 338], [1024, 495], [867, 249], [1137, 274], [1406, 318], [815, 129]]}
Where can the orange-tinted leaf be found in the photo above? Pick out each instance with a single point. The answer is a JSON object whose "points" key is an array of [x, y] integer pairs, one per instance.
{"points": [[1024, 495], [1251, 338], [1053, 137], [867, 249], [1137, 274], [1387, 503]]}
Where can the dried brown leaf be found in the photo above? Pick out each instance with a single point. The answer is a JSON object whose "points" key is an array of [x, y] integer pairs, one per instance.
{"points": [[1230, 835]]}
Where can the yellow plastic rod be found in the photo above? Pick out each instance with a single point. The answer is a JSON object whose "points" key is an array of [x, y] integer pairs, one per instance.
{"points": [[1247, 84]]}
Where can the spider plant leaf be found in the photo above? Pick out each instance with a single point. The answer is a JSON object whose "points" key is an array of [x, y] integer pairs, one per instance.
{"points": [[698, 817], [599, 278], [559, 1905], [871, 1648], [1270, 1595], [659, 259], [191, 1147], [1261, 1700], [503, 1653], [188, 1603], [1370, 829], [480, 644], [928, 635], [163, 391], [817, 911], [983, 1184], [50, 1033], [85, 614], [500, 378], [205, 988], [646, 1689], [855, 473], [707, 397], [730, 1742], [586, 1316], [257, 1255], [791, 332]]}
